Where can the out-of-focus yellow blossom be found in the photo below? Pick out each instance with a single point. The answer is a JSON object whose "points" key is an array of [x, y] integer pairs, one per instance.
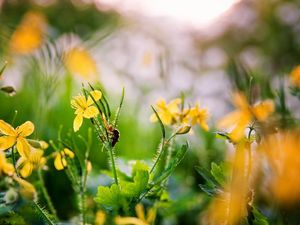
{"points": [[27, 189], [244, 115], [31, 162], [295, 76], [141, 218], [283, 156], [11, 136], [84, 108], [147, 59], [5, 167], [168, 113], [100, 217], [79, 61], [60, 161], [29, 34], [231, 206], [196, 115]]}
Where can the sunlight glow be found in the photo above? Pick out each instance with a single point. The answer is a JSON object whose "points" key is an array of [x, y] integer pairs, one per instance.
{"points": [[193, 12]]}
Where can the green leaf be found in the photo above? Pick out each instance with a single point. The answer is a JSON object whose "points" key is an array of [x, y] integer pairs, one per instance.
{"points": [[176, 160], [218, 172], [259, 218], [109, 197], [139, 184]]}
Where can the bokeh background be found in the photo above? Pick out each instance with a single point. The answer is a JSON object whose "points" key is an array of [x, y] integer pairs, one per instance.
{"points": [[153, 49]]}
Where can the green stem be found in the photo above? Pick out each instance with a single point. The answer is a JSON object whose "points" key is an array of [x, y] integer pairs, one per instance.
{"points": [[46, 195], [14, 160], [110, 149]]}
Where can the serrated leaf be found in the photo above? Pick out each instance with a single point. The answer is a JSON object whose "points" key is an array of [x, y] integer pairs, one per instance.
{"points": [[218, 172], [206, 175], [109, 197], [139, 184]]}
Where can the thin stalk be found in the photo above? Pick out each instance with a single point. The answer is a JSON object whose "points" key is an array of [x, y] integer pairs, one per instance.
{"points": [[46, 195], [110, 149], [14, 160]]}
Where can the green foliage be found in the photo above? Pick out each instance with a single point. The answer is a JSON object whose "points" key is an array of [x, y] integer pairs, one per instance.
{"points": [[109, 198]]}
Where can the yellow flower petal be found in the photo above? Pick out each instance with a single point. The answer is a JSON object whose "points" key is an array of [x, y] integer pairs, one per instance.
{"points": [[129, 221], [28, 190], [263, 110], [96, 95], [100, 218], [69, 153], [59, 162], [140, 212], [5, 167], [229, 120], [26, 169], [6, 129], [25, 129], [23, 147], [91, 112], [7, 142], [77, 122]]}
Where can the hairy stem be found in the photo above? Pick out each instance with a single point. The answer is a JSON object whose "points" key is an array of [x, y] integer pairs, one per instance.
{"points": [[46, 195]]}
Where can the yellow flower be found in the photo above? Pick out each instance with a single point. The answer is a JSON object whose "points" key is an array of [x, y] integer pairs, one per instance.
{"points": [[141, 218], [5, 167], [78, 61], [29, 34], [100, 218], [196, 115], [244, 115], [11, 136], [295, 76], [282, 154], [84, 108], [33, 161], [168, 113], [27, 189], [60, 161]]}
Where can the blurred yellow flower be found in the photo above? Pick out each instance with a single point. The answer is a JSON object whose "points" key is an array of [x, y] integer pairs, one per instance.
{"points": [[29, 34], [168, 113], [141, 218], [295, 76], [27, 189], [244, 115], [11, 136], [84, 108], [147, 59], [100, 218], [196, 115], [230, 207], [60, 161], [5, 167], [33, 161], [282, 153], [79, 61]]}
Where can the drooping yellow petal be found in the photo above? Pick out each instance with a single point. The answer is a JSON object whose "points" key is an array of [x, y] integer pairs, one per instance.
{"points": [[263, 110], [90, 112], [295, 76], [27, 189], [25, 129], [6, 129], [23, 147], [59, 162], [140, 212], [7, 142], [77, 122], [69, 153], [26, 169], [5, 167], [240, 101]]}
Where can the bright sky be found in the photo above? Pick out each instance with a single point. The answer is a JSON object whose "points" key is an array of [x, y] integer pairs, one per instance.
{"points": [[193, 12]]}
